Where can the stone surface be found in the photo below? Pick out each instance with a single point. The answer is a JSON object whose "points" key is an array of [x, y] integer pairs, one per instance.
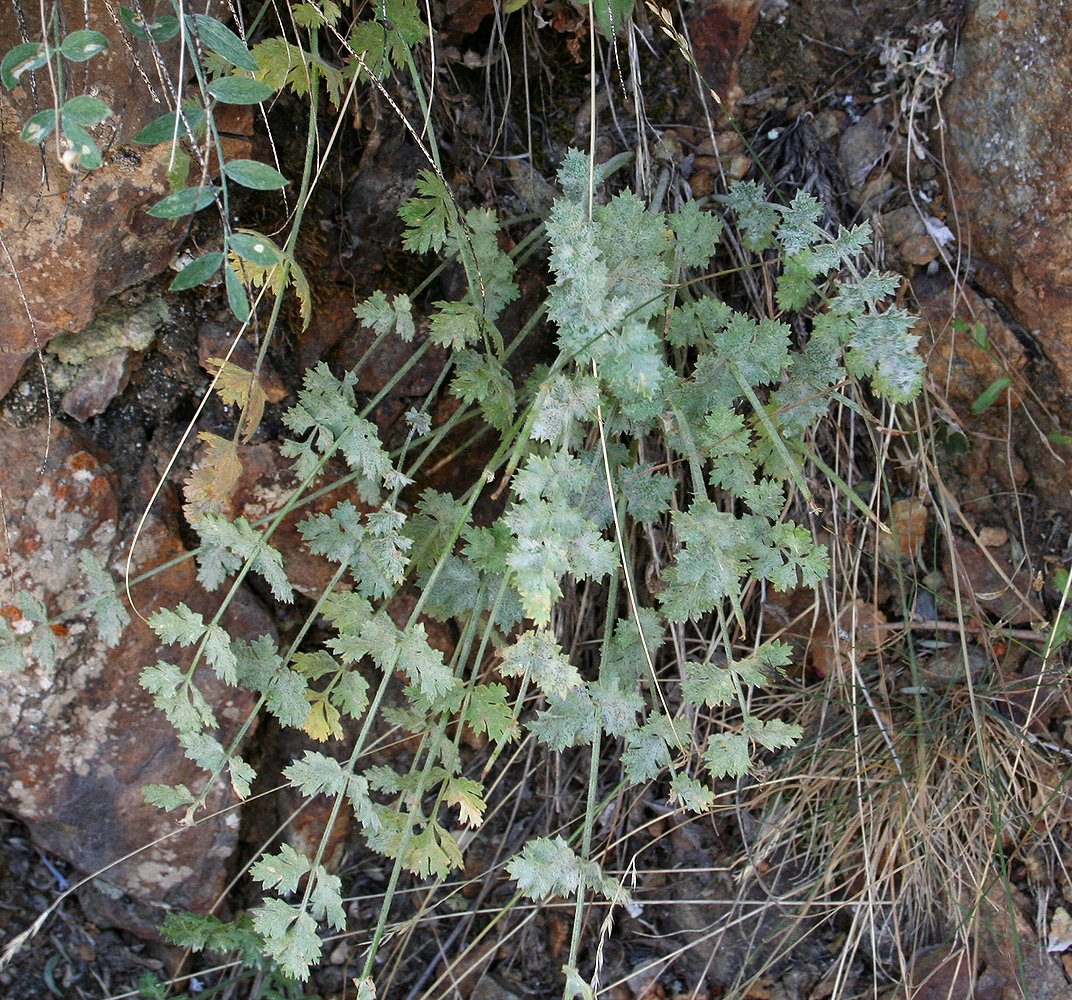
{"points": [[96, 385], [990, 581], [861, 149], [78, 743], [1009, 154], [265, 485], [719, 32], [1003, 443], [69, 241], [72, 240]]}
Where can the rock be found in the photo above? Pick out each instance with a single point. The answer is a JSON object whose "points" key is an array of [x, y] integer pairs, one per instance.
{"points": [[492, 988], [1010, 161], [988, 580], [94, 365], [862, 148], [112, 330], [96, 385], [969, 345], [76, 239], [719, 31], [265, 485], [215, 341], [78, 743]]}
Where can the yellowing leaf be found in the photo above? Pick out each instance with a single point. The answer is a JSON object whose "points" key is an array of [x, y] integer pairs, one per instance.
{"points": [[257, 275], [238, 387], [211, 485], [323, 721], [465, 794]]}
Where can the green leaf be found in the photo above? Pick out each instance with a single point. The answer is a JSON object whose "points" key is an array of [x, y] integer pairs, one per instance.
{"points": [[647, 749], [383, 316], [219, 653], [109, 613], [226, 545], [375, 553], [167, 797], [39, 127], [545, 868], [716, 552], [690, 794], [350, 694], [316, 773], [79, 46], [882, 346], [990, 395], [164, 128], [537, 654], [325, 899], [239, 90], [568, 721], [87, 152], [184, 202], [221, 40], [286, 699], [422, 664], [611, 15], [647, 493], [197, 272], [456, 325], [22, 59], [427, 214], [253, 248], [698, 233], [42, 638], [258, 663], [181, 626], [618, 704], [564, 408], [290, 937], [756, 216], [799, 228], [160, 29], [727, 755], [772, 734], [326, 413], [182, 703], [11, 657], [254, 174], [481, 379], [84, 110], [433, 851], [489, 711], [236, 294], [283, 871], [204, 751]]}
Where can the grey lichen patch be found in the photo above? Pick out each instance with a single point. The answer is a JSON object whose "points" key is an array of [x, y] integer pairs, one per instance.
{"points": [[110, 331]]}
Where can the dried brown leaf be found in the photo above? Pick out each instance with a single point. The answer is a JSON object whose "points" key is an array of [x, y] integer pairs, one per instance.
{"points": [[211, 485]]}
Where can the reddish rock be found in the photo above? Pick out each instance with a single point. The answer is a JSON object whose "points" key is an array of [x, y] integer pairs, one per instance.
{"points": [[960, 370], [1009, 153], [265, 486], [73, 240], [990, 582], [719, 31], [78, 743], [961, 363], [463, 17]]}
